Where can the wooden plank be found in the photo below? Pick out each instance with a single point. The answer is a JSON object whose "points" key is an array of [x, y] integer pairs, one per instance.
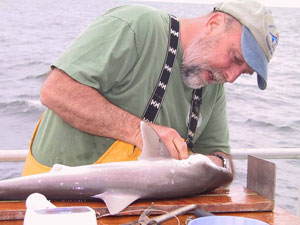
{"points": [[12, 210], [277, 217], [230, 199]]}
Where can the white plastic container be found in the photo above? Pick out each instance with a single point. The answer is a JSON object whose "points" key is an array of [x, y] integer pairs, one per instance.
{"points": [[41, 212]]}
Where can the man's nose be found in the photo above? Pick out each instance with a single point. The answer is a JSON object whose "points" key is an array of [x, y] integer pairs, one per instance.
{"points": [[231, 77], [233, 73]]}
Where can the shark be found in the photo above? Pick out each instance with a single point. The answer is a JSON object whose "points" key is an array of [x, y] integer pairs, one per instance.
{"points": [[155, 175]]}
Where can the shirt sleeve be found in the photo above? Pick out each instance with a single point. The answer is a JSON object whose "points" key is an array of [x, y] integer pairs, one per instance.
{"points": [[215, 136], [102, 55]]}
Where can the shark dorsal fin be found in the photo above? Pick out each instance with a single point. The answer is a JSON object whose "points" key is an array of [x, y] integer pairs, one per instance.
{"points": [[117, 201], [59, 167], [153, 146]]}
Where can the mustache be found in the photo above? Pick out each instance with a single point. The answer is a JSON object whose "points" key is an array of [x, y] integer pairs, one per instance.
{"points": [[190, 70], [194, 70], [191, 76], [218, 77]]}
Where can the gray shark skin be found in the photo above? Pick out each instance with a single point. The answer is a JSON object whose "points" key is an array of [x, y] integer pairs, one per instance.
{"points": [[156, 175]]}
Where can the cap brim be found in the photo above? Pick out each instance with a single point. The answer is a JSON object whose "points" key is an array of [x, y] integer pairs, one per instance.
{"points": [[255, 57]]}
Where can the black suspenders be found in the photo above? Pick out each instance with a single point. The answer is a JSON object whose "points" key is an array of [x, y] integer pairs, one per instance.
{"points": [[194, 116], [158, 95], [159, 92]]}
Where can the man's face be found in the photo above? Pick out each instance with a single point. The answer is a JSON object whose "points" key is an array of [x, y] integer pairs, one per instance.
{"points": [[214, 59]]}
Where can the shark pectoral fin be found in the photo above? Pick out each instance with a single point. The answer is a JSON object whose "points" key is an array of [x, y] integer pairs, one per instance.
{"points": [[116, 202], [153, 146]]}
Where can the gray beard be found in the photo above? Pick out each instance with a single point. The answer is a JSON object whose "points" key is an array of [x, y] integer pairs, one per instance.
{"points": [[191, 78], [194, 61]]}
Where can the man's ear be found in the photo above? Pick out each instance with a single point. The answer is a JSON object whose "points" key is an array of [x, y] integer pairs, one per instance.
{"points": [[215, 21]]}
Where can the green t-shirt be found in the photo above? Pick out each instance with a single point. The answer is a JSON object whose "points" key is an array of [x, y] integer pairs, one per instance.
{"points": [[121, 55]]}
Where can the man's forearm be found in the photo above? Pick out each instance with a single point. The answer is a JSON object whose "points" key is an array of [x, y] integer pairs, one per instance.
{"points": [[218, 161], [86, 109]]}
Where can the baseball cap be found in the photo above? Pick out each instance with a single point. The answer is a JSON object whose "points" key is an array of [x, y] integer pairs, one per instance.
{"points": [[259, 34]]}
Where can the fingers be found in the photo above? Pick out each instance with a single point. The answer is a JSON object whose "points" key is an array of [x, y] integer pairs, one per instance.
{"points": [[173, 141], [180, 147]]}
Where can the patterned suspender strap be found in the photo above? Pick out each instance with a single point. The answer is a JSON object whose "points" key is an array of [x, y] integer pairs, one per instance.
{"points": [[194, 116], [158, 94]]}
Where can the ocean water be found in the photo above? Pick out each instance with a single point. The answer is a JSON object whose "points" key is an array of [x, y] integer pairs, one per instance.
{"points": [[34, 33]]}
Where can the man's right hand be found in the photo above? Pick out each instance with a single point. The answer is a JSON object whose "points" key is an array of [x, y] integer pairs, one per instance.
{"points": [[171, 138]]}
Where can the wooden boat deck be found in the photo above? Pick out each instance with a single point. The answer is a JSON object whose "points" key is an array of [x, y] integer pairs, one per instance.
{"points": [[233, 201]]}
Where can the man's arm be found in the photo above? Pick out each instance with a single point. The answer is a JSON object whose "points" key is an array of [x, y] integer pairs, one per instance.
{"points": [[86, 109], [219, 161]]}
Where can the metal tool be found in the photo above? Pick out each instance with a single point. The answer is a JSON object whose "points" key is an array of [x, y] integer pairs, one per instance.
{"points": [[261, 177], [144, 218]]}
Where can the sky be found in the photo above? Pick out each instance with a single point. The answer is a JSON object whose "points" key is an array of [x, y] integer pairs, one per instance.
{"points": [[274, 3]]}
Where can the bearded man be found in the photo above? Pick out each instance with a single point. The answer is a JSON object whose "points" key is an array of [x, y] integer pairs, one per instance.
{"points": [[137, 63]]}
